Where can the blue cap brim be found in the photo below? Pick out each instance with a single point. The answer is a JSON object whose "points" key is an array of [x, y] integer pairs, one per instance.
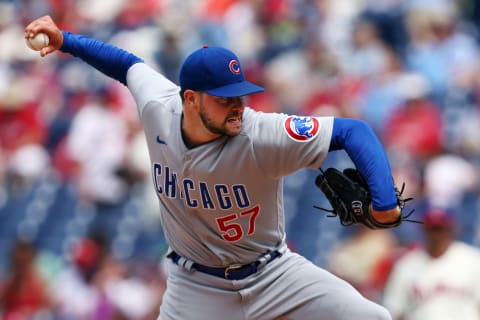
{"points": [[237, 89]]}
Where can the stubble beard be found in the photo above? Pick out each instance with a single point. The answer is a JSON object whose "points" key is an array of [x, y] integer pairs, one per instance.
{"points": [[223, 128]]}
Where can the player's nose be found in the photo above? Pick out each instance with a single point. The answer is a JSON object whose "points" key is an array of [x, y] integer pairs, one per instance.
{"points": [[237, 102]]}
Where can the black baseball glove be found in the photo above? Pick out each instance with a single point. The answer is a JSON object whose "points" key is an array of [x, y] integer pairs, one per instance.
{"points": [[350, 198]]}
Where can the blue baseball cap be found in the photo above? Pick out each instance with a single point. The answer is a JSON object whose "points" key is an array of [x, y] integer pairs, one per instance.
{"points": [[216, 71]]}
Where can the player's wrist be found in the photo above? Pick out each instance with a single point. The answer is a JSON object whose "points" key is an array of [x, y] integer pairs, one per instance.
{"points": [[385, 216]]}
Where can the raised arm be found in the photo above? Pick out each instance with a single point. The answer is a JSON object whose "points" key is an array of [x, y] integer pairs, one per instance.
{"points": [[106, 58]]}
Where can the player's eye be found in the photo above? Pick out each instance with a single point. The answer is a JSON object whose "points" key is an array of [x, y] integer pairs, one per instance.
{"points": [[223, 101]]}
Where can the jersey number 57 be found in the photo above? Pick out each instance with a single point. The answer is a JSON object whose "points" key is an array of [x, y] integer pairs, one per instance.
{"points": [[230, 226]]}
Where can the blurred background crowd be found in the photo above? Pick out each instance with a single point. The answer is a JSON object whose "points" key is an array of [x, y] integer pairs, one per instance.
{"points": [[80, 236]]}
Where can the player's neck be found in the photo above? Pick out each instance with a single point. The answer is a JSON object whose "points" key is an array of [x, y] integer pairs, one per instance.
{"points": [[438, 250]]}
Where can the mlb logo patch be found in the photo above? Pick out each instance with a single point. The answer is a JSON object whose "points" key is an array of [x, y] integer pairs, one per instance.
{"points": [[301, 128]]}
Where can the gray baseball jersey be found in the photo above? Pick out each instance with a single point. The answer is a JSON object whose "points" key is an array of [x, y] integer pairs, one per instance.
{"points": [[222, 202]]}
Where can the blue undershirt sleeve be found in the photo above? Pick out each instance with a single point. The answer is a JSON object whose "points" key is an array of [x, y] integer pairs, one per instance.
{"points": [[106, 58], [357, 138]]}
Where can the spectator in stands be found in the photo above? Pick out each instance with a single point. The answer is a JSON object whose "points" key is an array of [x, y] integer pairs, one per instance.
{"points": [[74, 292], [22, 135], [441, 47], [97, 141], [378, 95], [447, 178], [23, 293], [415, 126]]}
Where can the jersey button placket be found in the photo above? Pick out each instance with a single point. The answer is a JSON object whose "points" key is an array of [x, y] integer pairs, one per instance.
{"points": [[186, 164]]}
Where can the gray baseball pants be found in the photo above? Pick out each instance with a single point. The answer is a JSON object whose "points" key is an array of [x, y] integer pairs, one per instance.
{"points": [[290, 287]]}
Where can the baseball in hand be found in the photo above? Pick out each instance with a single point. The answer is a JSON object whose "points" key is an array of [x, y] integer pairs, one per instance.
{"points": [[38, 42]]}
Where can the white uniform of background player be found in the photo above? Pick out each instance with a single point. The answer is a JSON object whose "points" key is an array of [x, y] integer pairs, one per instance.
{"points": [[446, 287]]}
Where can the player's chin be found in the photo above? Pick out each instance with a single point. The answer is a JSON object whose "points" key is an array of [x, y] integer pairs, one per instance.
{"points": [[233, 131], [233, 127]]}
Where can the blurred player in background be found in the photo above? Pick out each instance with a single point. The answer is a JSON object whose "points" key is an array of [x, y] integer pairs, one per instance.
{"points": [[439, 281], [217, 169]]}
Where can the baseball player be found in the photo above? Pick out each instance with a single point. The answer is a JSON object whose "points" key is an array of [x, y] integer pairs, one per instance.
{"points": [[217, 168], [439, 280]]}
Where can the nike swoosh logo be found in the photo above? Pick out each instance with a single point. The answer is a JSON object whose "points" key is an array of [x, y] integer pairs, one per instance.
{"points": [[160, 140]]}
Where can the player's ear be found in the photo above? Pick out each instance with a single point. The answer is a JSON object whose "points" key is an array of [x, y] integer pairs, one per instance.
{"points": [[191, 98]]}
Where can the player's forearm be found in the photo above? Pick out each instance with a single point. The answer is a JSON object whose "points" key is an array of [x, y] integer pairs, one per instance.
{"points": [[106, 58], [362, 145]]}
